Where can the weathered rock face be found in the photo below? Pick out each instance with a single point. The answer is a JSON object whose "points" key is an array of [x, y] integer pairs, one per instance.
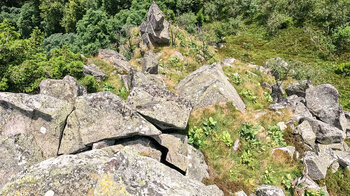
{"points": [[101, 116], [67, 89], [228, 62], [117, 60], [208, 86], [177, 149], [93, 70], [317, 165], [155, 29], [307, 133], [267, 190], [325, 133], [18, 152], [298, 88], [136, 79], [322, 102], [40, 116], [150, 63], [197, 167], [344, 121], [142, 146], [98, 172], [163, 108]]}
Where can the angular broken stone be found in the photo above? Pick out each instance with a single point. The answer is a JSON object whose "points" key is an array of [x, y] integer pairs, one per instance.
{"points": [[161, 107], [298, 88], [40, 116], [317, 165], [209, 86], [322, 101], [150, 63], [325, 133], [67, 89], [136, 78], [93, 70], [307, 133], [177, 149], [98, 172], [290, 150], [197, 167], [116, 59], [155, 29], [101, 116]]}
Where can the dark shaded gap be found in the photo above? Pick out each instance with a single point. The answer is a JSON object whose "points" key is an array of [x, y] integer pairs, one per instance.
{"points": [[62, 131]]}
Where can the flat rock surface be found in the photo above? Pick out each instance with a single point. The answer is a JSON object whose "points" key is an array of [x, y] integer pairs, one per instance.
{"points": [[101, 116], [163, 108]]}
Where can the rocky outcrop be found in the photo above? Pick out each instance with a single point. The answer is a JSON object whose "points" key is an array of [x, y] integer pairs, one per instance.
{"points": [[208, 86], [322, 102], [150, 63], [120, 63], [155, 30], [136, 78], [268, 190], [307, 133], [316, 165], [163, 108], [325, 133], [40, 116], [67, 89], [98, 172], [93, 70], [101, 116], [344, 121]]}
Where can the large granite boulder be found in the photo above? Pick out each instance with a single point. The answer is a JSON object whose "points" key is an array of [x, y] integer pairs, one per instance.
{"points": [[136, 78], [18, 152], [67, 89], [161, 107], [322, 102], [316, 165], [150, 63], [101, 116], [208, 86], [93, 70], [116, 59], [307, 133], [177, 149], [40, 116], [268, 190], [98, 172], [155, 29], [325, 133]]}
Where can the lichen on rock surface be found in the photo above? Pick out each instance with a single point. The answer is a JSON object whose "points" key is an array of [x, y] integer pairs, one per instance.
{"points": [[98, 172]]}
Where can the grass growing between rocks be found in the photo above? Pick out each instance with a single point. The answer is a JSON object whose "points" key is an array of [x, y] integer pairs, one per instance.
{"points": [[113, 83], [214, 130], [338, 183], [252, 45]]}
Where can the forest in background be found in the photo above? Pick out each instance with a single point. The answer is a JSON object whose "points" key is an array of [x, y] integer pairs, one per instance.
{"points": [[44, 38]]}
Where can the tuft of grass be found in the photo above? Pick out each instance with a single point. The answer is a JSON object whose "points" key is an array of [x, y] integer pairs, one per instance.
{"points": [[339, 182]]}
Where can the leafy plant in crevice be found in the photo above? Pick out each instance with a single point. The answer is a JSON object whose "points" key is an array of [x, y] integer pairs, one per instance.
{"points": [[108, 87], [249, 133], [343, 69], [226, 138], [247, 158], [267, 97], [123, 93], [249, 96], [236, 78], [267, 177], [197, 135], [276, 135]]}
